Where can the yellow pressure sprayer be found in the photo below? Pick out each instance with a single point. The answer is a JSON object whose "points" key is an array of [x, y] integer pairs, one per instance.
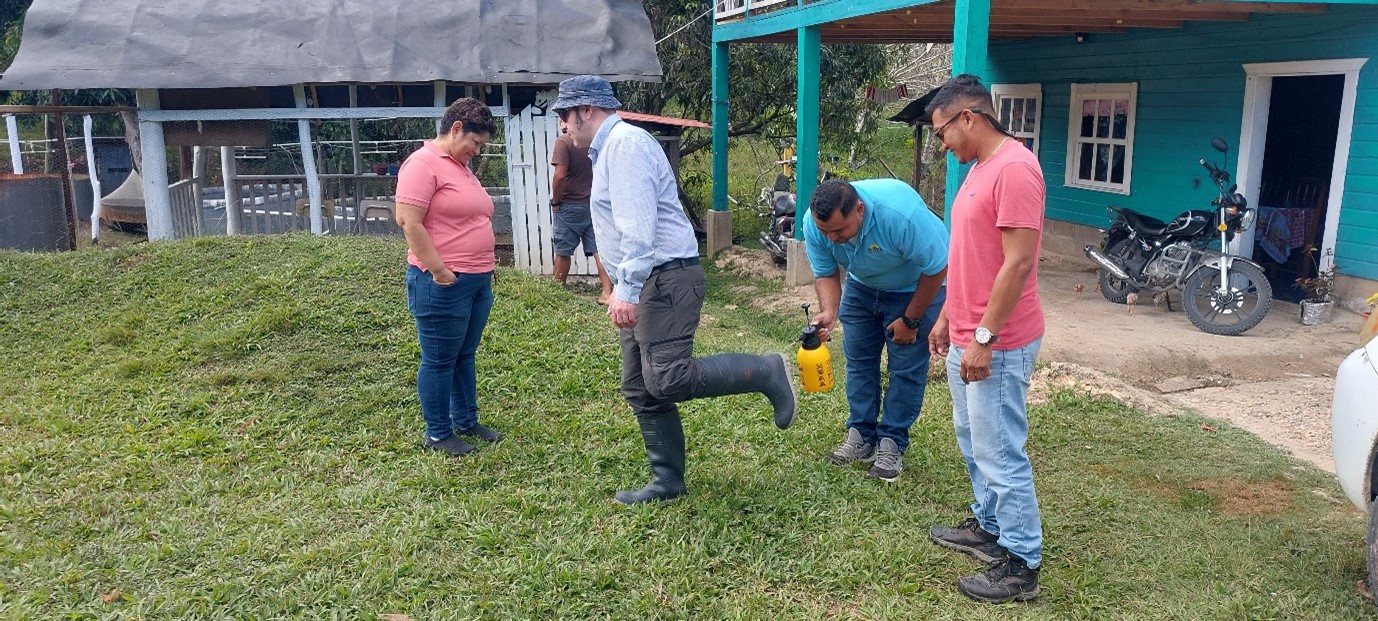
{"points": [[815, 363], [1370, 328]]}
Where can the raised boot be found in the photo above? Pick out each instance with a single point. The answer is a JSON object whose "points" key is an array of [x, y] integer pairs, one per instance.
{"points": [[664, 438], [734, 374]]}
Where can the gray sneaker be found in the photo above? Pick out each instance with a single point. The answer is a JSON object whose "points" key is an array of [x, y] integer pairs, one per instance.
{"points": [[451, 445], [482, 432], [889, 461], [853, 449], [969, 538]]}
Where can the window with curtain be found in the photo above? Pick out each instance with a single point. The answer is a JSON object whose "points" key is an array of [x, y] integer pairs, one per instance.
{"points": [[1100, 136], [1018, 107]]}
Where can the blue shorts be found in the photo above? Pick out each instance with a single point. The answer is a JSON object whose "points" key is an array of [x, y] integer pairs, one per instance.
{"points": [[573, 225]]}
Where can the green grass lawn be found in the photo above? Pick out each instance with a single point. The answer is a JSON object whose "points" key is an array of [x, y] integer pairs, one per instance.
{"points": [[228, 428]]}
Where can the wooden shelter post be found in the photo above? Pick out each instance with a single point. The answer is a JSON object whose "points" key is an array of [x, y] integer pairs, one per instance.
{"points": [[234, 211], [439, 102], [87, 142], [16, 157], [354, 132], [198, 178], [308, 163], [64, 161], [157, 203]]}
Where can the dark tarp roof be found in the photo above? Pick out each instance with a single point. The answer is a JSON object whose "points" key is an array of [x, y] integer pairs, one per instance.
{"points": [[237, 43], [914, 113]]}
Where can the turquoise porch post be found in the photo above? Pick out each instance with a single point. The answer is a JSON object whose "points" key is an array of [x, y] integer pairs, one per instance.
{"points": [[970, 42], [806, 118], [720, 125]]}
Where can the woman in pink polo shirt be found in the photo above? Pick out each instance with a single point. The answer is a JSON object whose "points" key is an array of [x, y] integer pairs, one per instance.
{"points": [[447, 216]]}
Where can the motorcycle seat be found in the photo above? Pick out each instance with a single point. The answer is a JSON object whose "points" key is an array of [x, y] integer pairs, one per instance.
{"points": [[782, 203], [1145, 225]]}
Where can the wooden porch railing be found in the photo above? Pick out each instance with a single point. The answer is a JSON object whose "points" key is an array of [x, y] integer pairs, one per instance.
{"points": [[187, 215], [351, 204], [732, 8]]}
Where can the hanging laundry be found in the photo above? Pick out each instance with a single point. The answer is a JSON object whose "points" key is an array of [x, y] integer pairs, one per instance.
{"points": [[885, 95]]}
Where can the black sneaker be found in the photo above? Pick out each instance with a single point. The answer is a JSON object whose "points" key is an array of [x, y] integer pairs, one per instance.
{"points": [[969, 538], [482, 432], [1005, 581], [451, 445]]}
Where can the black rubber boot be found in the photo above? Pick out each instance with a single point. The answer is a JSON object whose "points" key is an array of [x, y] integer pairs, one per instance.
{"points": [[664, 438], [734, 374]]}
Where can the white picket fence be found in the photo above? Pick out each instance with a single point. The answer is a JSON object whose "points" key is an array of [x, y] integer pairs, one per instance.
{"points": [[530, 136]]}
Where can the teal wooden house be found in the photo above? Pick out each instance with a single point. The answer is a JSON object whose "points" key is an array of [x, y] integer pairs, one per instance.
{"points": [[1120, 99]]}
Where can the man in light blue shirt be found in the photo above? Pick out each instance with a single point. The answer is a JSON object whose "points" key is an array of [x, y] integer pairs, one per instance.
{"points": [[880, 237], [652, 257]]}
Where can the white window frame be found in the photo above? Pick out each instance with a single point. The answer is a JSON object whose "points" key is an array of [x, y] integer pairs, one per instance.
{"points": [[1080, 93], [1032, 91]]}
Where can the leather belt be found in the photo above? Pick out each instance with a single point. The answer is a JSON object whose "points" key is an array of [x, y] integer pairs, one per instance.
{"points": [[675, 264]]}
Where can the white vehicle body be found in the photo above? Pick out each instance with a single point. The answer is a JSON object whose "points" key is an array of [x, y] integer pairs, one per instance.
{"points": [[1354, 424]]}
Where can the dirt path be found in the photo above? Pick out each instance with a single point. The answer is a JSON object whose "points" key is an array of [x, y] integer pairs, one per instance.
{"points": [[1275, 381]]}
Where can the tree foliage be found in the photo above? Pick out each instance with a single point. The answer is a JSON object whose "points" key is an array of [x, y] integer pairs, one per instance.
{"points": [[762, 79], [11, 26]]}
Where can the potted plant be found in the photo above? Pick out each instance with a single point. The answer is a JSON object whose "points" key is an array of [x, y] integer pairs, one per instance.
{"points": [[1319, 302]]}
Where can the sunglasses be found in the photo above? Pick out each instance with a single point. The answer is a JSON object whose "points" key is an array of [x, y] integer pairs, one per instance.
{"points": [[994, 122], [564, 113]]}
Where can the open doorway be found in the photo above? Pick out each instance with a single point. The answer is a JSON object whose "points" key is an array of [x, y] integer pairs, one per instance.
{"points": [[1294, 191]]}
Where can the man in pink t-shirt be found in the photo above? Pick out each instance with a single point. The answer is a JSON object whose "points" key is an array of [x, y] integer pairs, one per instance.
{"points": [[990, 331]]}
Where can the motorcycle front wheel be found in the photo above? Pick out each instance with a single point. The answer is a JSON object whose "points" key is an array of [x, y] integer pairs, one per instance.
{"points": [[1229, 310]]}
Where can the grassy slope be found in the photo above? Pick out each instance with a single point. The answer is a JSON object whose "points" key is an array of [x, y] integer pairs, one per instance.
{"points": [[228, 428]]}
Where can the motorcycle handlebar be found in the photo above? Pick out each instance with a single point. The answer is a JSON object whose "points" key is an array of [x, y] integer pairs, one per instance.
{"points": [[1217, 175]]}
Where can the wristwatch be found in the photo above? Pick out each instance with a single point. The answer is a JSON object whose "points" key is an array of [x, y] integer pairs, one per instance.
{"points": [[984, 336], [554, 203], [912, 324]]}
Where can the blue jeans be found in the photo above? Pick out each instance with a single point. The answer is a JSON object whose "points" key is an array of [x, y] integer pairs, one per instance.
{"points": [[449, 324], [865, 314], [992, 422]]}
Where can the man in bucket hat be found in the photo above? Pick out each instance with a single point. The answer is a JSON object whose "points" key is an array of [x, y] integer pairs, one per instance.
{"points": [[651, 255]]}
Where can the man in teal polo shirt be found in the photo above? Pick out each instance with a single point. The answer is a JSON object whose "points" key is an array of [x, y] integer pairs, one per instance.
{"points": [[879, 258]]}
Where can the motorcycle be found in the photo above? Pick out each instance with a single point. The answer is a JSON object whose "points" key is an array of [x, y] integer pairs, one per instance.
{"points": [[777, 203], [1222, 293]]}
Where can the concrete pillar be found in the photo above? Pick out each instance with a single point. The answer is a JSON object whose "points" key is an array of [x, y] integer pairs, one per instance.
{"points": [[719, 225], [797, 269]]}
